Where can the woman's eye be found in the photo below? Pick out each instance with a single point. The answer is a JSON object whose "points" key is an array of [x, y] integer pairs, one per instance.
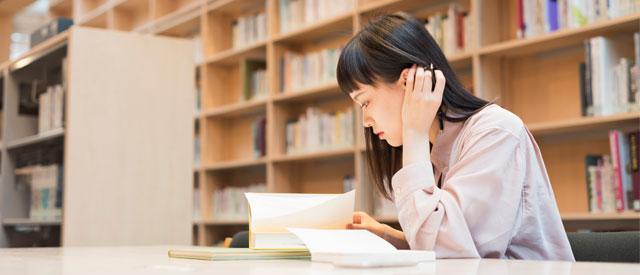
{"points": [[365, 104]]}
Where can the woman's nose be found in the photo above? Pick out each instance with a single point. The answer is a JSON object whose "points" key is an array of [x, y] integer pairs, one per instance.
{"points": [[366, 120]]}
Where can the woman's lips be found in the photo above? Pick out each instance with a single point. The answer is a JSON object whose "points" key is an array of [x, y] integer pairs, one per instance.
{"points": [[380, 134]]}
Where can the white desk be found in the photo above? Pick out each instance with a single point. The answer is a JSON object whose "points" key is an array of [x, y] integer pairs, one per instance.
{"points": [[154, 260]]}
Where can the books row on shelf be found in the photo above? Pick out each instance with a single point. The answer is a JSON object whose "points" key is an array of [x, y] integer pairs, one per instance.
{"points": [[613, 180], [197, 157], [298, 13], [46, 187], [259, 132], [198, 53], [249, 29], [51, 109], [254, 84], [299, 71], [317, 131], [453, 30], [610, 81], [537, 17], [229, 203]]}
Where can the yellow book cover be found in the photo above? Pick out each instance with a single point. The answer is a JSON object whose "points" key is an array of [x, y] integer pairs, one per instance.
{"points": [[230, 254]]}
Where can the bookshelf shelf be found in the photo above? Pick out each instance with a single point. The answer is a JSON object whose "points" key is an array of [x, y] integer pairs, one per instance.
{"points": [[233, 6], [131, 15], [97, 15], [224, 222], [370, 5], [256, 50], [326, 154], [324, 90], [339, 25], [461, 60], [39, 51], [179, 23], [628, 215], [238, 109], [235, 164], [585, 124], [562, 38], [30, 222], [36, 139], [175, 9]]}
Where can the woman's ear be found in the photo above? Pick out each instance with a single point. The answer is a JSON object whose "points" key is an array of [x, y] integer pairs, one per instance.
{"points": [[402, 80]]}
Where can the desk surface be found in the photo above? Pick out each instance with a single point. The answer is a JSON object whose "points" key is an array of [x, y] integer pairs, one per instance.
{"points": [[154, 260]]}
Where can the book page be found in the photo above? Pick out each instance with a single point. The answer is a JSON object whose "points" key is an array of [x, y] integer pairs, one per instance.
{"points": [[272, 213], [342, 241]]}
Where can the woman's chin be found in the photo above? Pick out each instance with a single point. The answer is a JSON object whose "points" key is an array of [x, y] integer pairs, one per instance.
{"points": [[393, 144]]}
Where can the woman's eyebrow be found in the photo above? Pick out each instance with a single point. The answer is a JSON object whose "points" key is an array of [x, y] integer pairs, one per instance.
{"points": [[358, 94]]}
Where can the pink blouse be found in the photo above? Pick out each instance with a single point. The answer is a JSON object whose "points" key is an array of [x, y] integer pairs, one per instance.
{"points": [[495, 200]]}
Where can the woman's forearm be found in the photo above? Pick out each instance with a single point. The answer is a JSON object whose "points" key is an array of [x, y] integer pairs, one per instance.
{"points": [[395, 237]]}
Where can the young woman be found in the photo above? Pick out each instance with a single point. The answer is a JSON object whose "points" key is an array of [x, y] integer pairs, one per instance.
{"points": [[466, 176]]}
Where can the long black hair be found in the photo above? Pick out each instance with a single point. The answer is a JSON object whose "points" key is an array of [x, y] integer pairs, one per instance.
{"points": [[379, 52]]}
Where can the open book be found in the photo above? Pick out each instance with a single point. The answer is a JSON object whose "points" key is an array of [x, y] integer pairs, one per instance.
{"points": [[270, 214]]}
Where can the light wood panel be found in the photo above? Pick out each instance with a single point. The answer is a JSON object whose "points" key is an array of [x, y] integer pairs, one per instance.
{"points": [[128, 162]]}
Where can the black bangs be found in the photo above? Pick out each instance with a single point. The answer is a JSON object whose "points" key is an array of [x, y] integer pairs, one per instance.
{"points": [[353, 67]]}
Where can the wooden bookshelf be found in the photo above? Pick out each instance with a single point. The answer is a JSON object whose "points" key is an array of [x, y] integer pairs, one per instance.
{"points": [[62, 8], [536, 78], [30, 222], [92, 61]]}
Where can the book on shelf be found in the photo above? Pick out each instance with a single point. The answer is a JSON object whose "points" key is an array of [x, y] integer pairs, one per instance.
{"points": [[249, 29], [270, 214], [254, 79], [198, 92], [51, 109], [537, 17], [317, 131], [295, 14], [609, 81], [613, 180], [198, 53], [259, 132], [229, 202], [46, 185], [300, 71], [453, 30], [197, 157], [197, 213]]}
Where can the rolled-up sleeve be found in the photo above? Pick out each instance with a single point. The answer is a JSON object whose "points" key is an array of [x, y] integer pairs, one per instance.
{"points": [[475, 212]]}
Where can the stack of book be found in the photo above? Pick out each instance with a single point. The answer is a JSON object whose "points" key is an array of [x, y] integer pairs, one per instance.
{"points": [[536, 17], [453, 30], [610, 82], [317, 131], [229, 203], [259, 132], [300, 71], [613, 181], [249, 29], [51, 109], [298, 13], [46, 190]]}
